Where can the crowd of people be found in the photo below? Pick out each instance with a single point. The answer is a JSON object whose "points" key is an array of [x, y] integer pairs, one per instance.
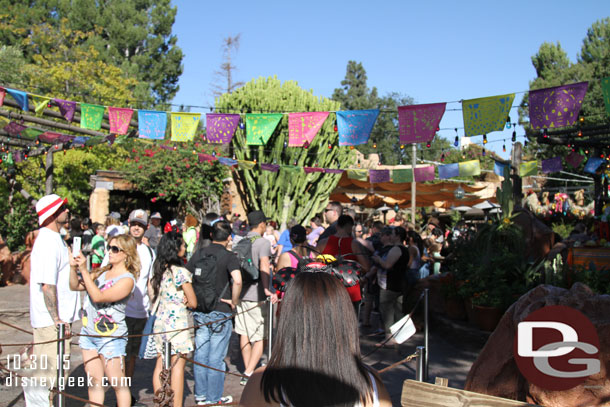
{"points": [[192, 274]]}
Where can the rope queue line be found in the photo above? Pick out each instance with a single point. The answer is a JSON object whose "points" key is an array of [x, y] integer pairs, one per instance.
{"points": [[164, 396]]}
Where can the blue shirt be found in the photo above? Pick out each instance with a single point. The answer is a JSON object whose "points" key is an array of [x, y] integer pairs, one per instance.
{"points": [[285, 241]]}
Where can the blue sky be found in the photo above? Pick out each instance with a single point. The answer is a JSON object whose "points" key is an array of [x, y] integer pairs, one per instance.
{"points": [[437, 51]]}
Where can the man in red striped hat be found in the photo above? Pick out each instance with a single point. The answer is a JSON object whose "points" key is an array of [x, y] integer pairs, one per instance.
{"points": [[51, 300]]}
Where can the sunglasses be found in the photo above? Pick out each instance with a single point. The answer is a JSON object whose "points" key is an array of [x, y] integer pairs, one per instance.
{"points": [[132, 224], [115, 249]]}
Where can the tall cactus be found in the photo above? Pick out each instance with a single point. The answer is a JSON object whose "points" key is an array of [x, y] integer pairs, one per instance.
{"points": [[504, 195], [265, 190]]}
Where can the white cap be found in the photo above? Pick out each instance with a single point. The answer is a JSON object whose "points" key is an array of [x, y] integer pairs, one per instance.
{"points": [[47, 206]]}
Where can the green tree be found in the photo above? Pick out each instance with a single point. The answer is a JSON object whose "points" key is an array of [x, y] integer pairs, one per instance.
{"points": [[287, 193], [176, 176], [135, 35]]}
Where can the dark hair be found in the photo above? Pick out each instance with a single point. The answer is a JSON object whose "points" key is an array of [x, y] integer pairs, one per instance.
{"points": [[97, 225], [86, 221], [167, 256], [316, 359], [417, 240], [337, 207], [205, 233], [377, 225], [401, 233], [221, 231], [345, 221], [317, 220]]}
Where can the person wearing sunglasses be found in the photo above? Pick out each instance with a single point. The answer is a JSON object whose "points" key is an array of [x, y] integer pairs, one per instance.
{"points": [[108, 290]]}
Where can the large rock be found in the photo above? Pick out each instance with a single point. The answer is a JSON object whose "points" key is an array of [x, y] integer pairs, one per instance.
{"points": [[495, 371]]}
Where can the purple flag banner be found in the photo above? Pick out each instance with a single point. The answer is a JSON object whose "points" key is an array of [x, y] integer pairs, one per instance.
{"points": [[355, 126], [377, 176], [333, 171], [574, 159], [20, 97], [556, 107], [552, 165], [119, 119], [449, 171], [418, 123], [221, 127], [303, 127], [270, 167], [152, 124], [421, 174], [14, 129], [66, 108]]}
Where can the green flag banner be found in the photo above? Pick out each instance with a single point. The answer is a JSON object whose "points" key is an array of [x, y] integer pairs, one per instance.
{"points": [[260, 127], [402, 175], [291, 169], [91, 116], [606, 92], [40, 102], [246, 165], [184, 126], [360, 175], [528, 168], [484, 115], [31, 134], [470, 168]]}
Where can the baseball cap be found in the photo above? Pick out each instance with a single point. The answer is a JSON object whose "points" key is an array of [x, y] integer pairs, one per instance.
{"points": [[156, 215], [140, 216], [256, 217], [48, 205]]}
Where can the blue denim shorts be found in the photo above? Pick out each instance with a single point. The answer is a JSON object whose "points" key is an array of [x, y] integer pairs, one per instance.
{"points": [[108, 347]]}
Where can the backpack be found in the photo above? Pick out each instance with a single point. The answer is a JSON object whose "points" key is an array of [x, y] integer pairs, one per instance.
{"points": [[243, 250], [204, 283]]}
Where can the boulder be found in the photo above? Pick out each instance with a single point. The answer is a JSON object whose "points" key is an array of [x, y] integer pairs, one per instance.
{"points": [[495, 371]]}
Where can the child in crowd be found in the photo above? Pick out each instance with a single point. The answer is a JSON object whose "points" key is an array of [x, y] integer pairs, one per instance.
{"points": [[98, 249], [435, 255]]}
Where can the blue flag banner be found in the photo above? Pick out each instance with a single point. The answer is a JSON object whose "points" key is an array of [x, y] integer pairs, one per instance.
{"points": [[152, 124], [499, 168], [355, 126], [20, 97], [593, 164], [227, 161], [448, 171]]}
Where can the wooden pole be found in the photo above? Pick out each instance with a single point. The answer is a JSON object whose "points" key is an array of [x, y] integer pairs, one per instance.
{"points": [[413, 186], [48, 184]]}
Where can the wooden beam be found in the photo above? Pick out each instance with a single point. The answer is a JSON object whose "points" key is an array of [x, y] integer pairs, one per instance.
{"points": [[423, 394]]}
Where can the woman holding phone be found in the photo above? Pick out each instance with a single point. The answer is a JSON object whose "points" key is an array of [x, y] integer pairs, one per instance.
{"points": [[108, 290]]}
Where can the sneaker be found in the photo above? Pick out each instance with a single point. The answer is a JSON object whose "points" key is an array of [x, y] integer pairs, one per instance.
{"points": [[223, 400], [200, 401], [243, 381]]}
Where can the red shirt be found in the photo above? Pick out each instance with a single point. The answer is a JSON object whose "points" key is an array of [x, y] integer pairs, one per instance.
{"points": [[343, 245]]}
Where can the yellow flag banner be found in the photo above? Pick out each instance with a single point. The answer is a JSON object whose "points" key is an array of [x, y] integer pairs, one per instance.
{"points": [[184, 126], [40, 102], [528, 168], [484, 115], [246, 165], [470, 168]]}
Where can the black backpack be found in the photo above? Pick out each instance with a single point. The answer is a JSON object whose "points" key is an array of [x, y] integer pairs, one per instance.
{"points": [[204, 282], [243, 250]]}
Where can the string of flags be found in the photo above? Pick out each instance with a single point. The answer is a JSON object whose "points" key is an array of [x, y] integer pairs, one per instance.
{"points": [[548, 108]]}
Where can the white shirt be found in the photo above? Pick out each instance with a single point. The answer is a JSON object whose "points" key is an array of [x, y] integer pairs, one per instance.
{"points": [[50, 264], [137, 306]]}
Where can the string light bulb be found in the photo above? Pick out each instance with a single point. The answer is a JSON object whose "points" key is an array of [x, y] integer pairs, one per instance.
{"points": [[402, 146], [330, 146], [508, 125], [374, 145], [336, 128], [483, 152], [484, 138], [579, 133], [581, 118], [504, 148], [514, 136], [443, 157], [428, 144]]}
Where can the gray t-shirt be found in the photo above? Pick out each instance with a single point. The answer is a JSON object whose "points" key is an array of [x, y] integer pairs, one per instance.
{"points": [[153, 234], [260, 248], [105, 314]]}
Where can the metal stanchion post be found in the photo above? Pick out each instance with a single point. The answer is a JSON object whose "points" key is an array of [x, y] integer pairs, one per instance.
{"points": [[419, 368], [61, 349], [426, 345], [167, 356], [270, 336]]}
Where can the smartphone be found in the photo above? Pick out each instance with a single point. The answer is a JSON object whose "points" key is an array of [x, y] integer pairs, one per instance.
{"points": [[76, 246]]}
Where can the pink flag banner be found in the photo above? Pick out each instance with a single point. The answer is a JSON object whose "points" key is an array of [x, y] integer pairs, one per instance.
{"points": [[309, 170], [422, 174], [552, 165], [556, 107], [377, 176], [221, 127], [14, 129], [152, 124], [355, 126], [206, 157], [119, 119], [303, 127], [2, 95], [66, 108], [574, 159], [52, 137], [418, 123]]}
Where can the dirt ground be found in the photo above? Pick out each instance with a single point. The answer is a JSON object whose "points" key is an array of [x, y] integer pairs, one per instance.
{"points": [[453, 348]]}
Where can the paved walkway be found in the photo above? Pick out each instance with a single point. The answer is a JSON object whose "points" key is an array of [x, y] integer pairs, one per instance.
{"points": [[453, 349]]}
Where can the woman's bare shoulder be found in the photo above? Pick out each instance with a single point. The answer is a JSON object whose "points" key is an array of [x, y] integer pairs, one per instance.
{"points": [[252, 395]]}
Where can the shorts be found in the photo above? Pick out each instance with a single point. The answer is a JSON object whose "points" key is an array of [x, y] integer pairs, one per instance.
{"points": [[252, 323], [135, 326], [109, 348]]}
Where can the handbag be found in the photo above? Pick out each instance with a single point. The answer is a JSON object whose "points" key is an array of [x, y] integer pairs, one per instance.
{"points": [[148, 349]]}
